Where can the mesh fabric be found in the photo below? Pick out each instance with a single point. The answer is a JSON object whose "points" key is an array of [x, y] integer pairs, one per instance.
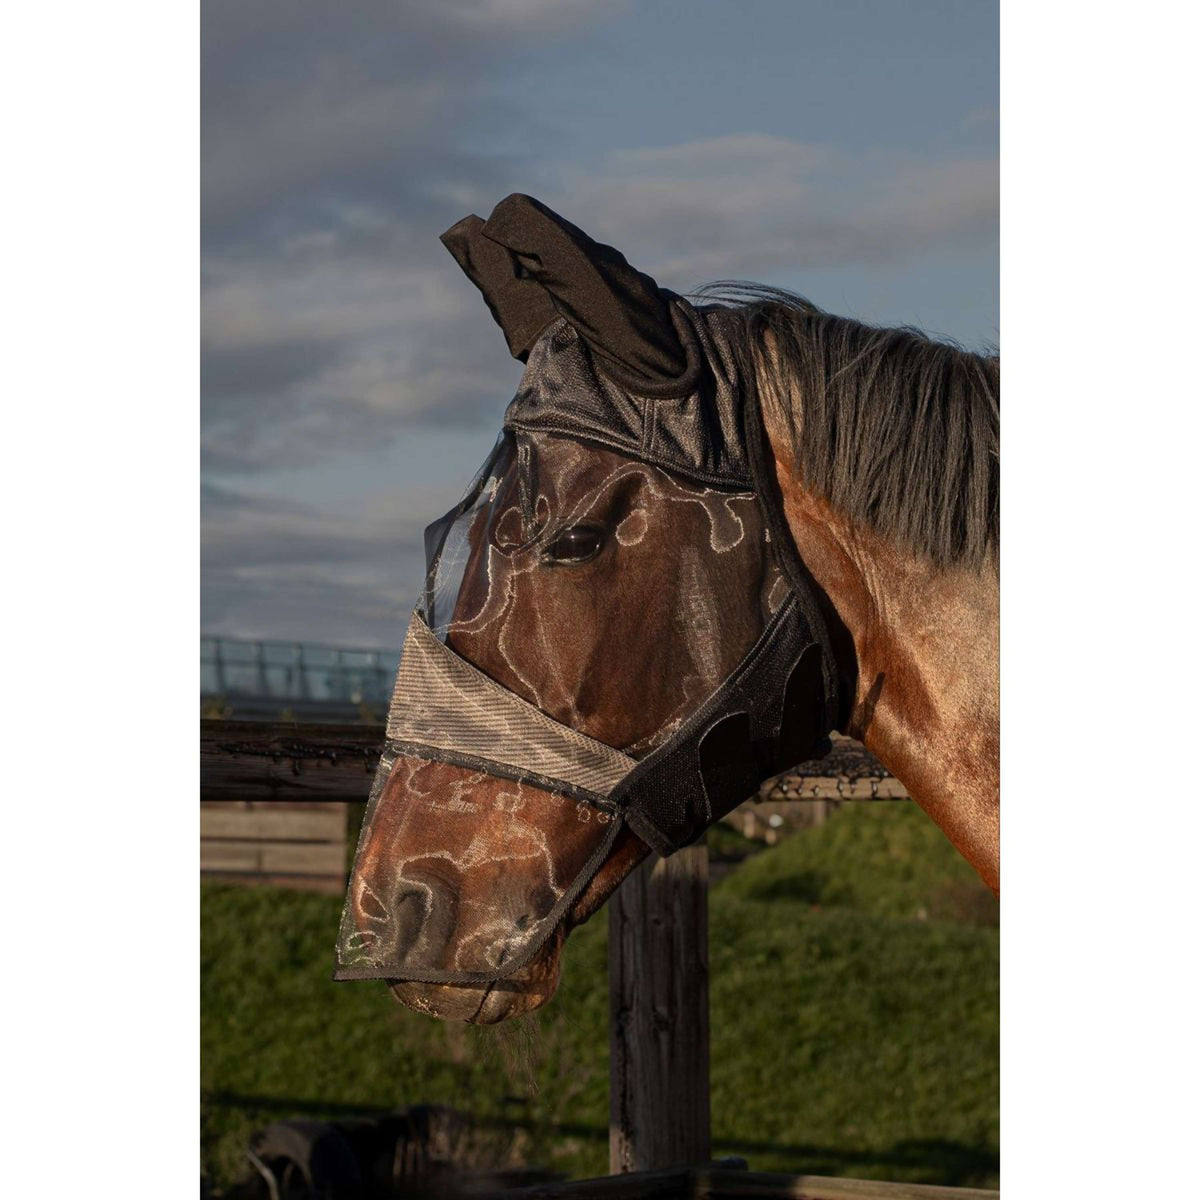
{"points": [[461, 876], [443, 703], [581, 607]]}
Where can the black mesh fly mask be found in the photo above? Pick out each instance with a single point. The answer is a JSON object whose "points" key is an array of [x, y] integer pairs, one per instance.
{"points": [[623, 538]]}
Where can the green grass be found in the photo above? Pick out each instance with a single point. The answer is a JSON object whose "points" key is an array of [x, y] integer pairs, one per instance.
{"points": [[854, 1020], [885, 859]]}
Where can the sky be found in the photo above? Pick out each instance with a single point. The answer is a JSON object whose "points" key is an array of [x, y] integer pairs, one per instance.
{"points": [[352, 379]]}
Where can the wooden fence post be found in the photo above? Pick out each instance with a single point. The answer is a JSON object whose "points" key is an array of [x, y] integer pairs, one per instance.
{"points": [[658, 1013]]}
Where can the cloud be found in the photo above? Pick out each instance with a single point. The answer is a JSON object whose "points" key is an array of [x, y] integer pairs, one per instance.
{"points": [[336, 149], [341, 338], [306, 103], [331, 147], [275, 567], [218, 503], [321, 354], [338, 142], [751, 205], [233, 372], [347, 608], [253, 530]]}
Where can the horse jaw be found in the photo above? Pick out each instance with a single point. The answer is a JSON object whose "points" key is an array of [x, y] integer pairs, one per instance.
{"points": [[535, 984]]}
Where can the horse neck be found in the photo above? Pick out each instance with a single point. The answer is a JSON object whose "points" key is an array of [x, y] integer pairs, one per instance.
{"points": [[927, 696]]}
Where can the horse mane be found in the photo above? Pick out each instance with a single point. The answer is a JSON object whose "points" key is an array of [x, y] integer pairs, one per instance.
{"points": [[896, 430]]}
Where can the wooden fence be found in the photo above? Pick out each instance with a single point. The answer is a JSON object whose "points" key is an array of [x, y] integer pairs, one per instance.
{"points": [[273, 800], [723, 1183], [276, 775], [274, 796], [271, 760], [299, 844]]}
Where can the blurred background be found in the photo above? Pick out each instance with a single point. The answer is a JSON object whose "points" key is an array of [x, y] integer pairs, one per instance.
{"points": [[352, 382]]}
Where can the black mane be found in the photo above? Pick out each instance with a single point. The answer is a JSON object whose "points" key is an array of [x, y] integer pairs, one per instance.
{"points": [[896, 430]]}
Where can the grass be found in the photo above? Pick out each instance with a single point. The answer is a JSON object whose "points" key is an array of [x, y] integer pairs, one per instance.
{"points": [[854, 1002], [885, 859]]}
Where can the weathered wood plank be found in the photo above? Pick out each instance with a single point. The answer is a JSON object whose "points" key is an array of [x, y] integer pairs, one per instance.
{"points": [[808, 788], [328, 885], [274, 805], [272, 822], [231, 856], [713, 1183], [658, 1027], [308, 858], [253, 760], [304, 858], [674, 1184], [743, 1185]]}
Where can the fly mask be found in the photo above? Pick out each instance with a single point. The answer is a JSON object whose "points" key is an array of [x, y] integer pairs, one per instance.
{"points": [[629, 502]]}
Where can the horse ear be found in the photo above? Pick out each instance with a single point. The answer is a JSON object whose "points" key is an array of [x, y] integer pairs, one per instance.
{"points": [[620, 312], [518, 304]]}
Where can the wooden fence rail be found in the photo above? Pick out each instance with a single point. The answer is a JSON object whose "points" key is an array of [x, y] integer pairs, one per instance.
{"points": [[263, 760], [272, 761], [717, 1183]]}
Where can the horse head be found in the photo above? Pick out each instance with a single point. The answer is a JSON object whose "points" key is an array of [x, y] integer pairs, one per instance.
{"points": [[575, 689]]}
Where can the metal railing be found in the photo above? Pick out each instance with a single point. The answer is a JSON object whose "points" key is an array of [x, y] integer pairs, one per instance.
{"points": [[238, 668]]}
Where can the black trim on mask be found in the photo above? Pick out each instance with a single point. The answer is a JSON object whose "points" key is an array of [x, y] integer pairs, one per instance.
{"points": [[722, 753], [500, 770]]}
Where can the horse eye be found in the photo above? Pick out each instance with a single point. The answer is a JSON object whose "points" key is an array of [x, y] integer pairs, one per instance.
{"points": [[575, 545]]}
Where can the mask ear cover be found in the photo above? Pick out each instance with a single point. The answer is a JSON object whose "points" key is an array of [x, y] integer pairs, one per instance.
{"points": [[518, 304], [620, 312]]}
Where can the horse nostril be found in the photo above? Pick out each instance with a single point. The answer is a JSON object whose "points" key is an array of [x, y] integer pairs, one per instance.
{"points": [[408, 916], [425, 912]]}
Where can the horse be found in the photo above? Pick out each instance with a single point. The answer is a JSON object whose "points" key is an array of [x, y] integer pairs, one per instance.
{"points": [[611, 596]]}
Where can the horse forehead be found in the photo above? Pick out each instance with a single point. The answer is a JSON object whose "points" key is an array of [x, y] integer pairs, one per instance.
{"points": [[570, 471]]}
